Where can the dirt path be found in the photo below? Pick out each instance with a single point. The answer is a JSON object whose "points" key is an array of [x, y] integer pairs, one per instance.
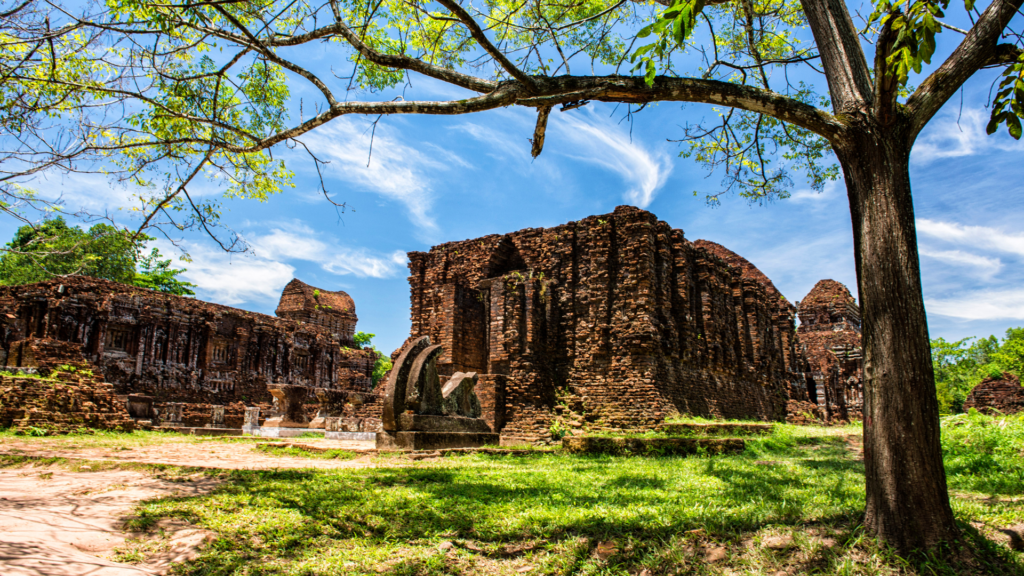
{"points": [[56, 523], [210, 454]]}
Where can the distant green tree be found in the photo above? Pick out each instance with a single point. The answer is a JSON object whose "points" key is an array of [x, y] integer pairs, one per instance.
{"points": [[382, 364], [1010, 355], [53, 249], [158, 275], [956, 371]]}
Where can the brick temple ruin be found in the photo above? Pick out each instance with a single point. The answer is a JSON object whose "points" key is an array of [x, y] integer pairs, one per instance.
{"points": [[831, 359], [618, 321], [1003, 395], [190, 356], [612, 322]]}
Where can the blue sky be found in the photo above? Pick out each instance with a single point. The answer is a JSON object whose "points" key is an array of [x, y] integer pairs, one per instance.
{"points": [[437, 179]]}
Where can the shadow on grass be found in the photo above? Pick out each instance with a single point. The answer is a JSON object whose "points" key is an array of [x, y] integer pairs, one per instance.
{"points": [[270, 522]]}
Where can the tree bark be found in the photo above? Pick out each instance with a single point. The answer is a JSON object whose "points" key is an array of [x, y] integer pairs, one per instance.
{"points": [[907, 499]]}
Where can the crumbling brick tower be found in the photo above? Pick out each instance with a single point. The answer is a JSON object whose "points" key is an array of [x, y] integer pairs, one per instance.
{"points": [[830, 342], [615, 321], [335, 311]]}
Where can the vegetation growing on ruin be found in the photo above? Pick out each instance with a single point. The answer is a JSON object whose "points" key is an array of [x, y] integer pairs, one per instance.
{"points": [[382, 363], [961, 365]]}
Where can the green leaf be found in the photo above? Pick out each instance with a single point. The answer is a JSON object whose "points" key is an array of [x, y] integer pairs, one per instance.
{"points": [[1013, 123]]}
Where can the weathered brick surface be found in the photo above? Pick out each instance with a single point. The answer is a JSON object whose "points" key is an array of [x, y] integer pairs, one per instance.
{"points": [[71, 395], [178, 349], [1003, 394], [617, 320], [830, 346]]}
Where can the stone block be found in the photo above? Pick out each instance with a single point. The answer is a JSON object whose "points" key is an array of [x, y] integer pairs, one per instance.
{"points": [[216, 417], [251, 421], [431, 423], [434, 440]]}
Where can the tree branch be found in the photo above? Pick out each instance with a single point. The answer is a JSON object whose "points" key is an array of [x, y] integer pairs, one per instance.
{"points": [[485, 43], [846, 68], [538, 133], [977, 50], [406, 63]]}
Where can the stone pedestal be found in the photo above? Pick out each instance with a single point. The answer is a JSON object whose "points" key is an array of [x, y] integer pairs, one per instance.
{"points": [[332, 405], [420, 414], [289, 404], [140, 406]]}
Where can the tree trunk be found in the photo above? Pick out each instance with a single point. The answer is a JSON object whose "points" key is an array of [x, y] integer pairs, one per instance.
{"points": [[907, 500]]}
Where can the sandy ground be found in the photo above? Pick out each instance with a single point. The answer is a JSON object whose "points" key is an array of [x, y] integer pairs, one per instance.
{"points": [[56, 523], [59, 523], [225, 455]]}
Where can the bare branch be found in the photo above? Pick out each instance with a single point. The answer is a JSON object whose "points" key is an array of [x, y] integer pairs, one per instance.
{"points": [[538, 132]]}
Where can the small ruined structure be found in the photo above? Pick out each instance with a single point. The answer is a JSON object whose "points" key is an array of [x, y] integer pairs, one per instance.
{"points": [[1004, 395], [421, 414], [179, 350], [615, 321], [334, 311], [58, 392], [830, 345]]}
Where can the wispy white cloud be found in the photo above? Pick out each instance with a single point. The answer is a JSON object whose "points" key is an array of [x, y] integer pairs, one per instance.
{"points": [[599, 141], [980, 305], [987, 266], [502, 144], [829, 192], [977, 236], [396, 171], [297, 242], [233, 278], [261, 275], [949, 138]]}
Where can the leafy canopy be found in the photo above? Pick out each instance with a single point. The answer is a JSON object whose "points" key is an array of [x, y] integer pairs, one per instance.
{"points": [[53, 249]]}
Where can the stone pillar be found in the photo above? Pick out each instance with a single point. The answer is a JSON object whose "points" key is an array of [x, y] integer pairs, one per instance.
{"points": [[251, 423]]}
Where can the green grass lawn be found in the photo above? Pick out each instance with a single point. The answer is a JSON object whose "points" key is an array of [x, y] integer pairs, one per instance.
{"points": [[790, 504]]}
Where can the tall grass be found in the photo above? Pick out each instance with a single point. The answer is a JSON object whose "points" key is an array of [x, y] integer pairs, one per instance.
{"points": [[984, 453]]}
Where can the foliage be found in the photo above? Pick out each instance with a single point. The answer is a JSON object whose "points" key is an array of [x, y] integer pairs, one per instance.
{"points": [[961, 365], [157, 274], [38, 253], [51, 249], [382, 364]]}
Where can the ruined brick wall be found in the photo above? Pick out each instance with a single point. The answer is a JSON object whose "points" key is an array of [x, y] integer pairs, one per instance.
{"points": [[617, 319], [830, 344], [66, 394], [1003, 394], [178, 349]]}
